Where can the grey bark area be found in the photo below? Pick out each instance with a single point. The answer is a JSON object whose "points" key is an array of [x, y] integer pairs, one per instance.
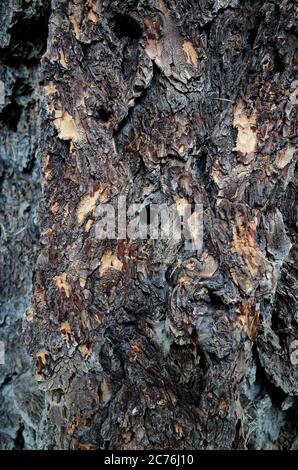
{"points": [[142, 344], [23, 35]]}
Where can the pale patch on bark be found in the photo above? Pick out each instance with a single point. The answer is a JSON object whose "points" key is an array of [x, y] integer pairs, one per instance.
{"points": [[66, 126], [42, 357], [75, 26], [62, 59], [154, 50], [92, 14], [108, 261], [62, 284], [47, 171], [247, 135], [88, 225], [209, 267], [30, 313], [284, 157], [87, 204], [191, 53], [181, 203], [85, 350], [54, 208], [50, 89], [66, 330], [106, 394]]}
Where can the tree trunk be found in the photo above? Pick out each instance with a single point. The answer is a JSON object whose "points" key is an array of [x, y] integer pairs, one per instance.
{"points": [[144, 343]]}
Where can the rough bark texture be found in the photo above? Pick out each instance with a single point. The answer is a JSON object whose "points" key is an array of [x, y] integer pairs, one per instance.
{"points": [[23, 35], [143, 344]]}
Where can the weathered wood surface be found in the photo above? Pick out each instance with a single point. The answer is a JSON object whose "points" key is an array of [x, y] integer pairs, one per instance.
{"points": [[23, 36], [142, 344]]}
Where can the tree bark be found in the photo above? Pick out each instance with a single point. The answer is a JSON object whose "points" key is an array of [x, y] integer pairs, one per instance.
{"points": [[23, 36], [143, 344]]}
